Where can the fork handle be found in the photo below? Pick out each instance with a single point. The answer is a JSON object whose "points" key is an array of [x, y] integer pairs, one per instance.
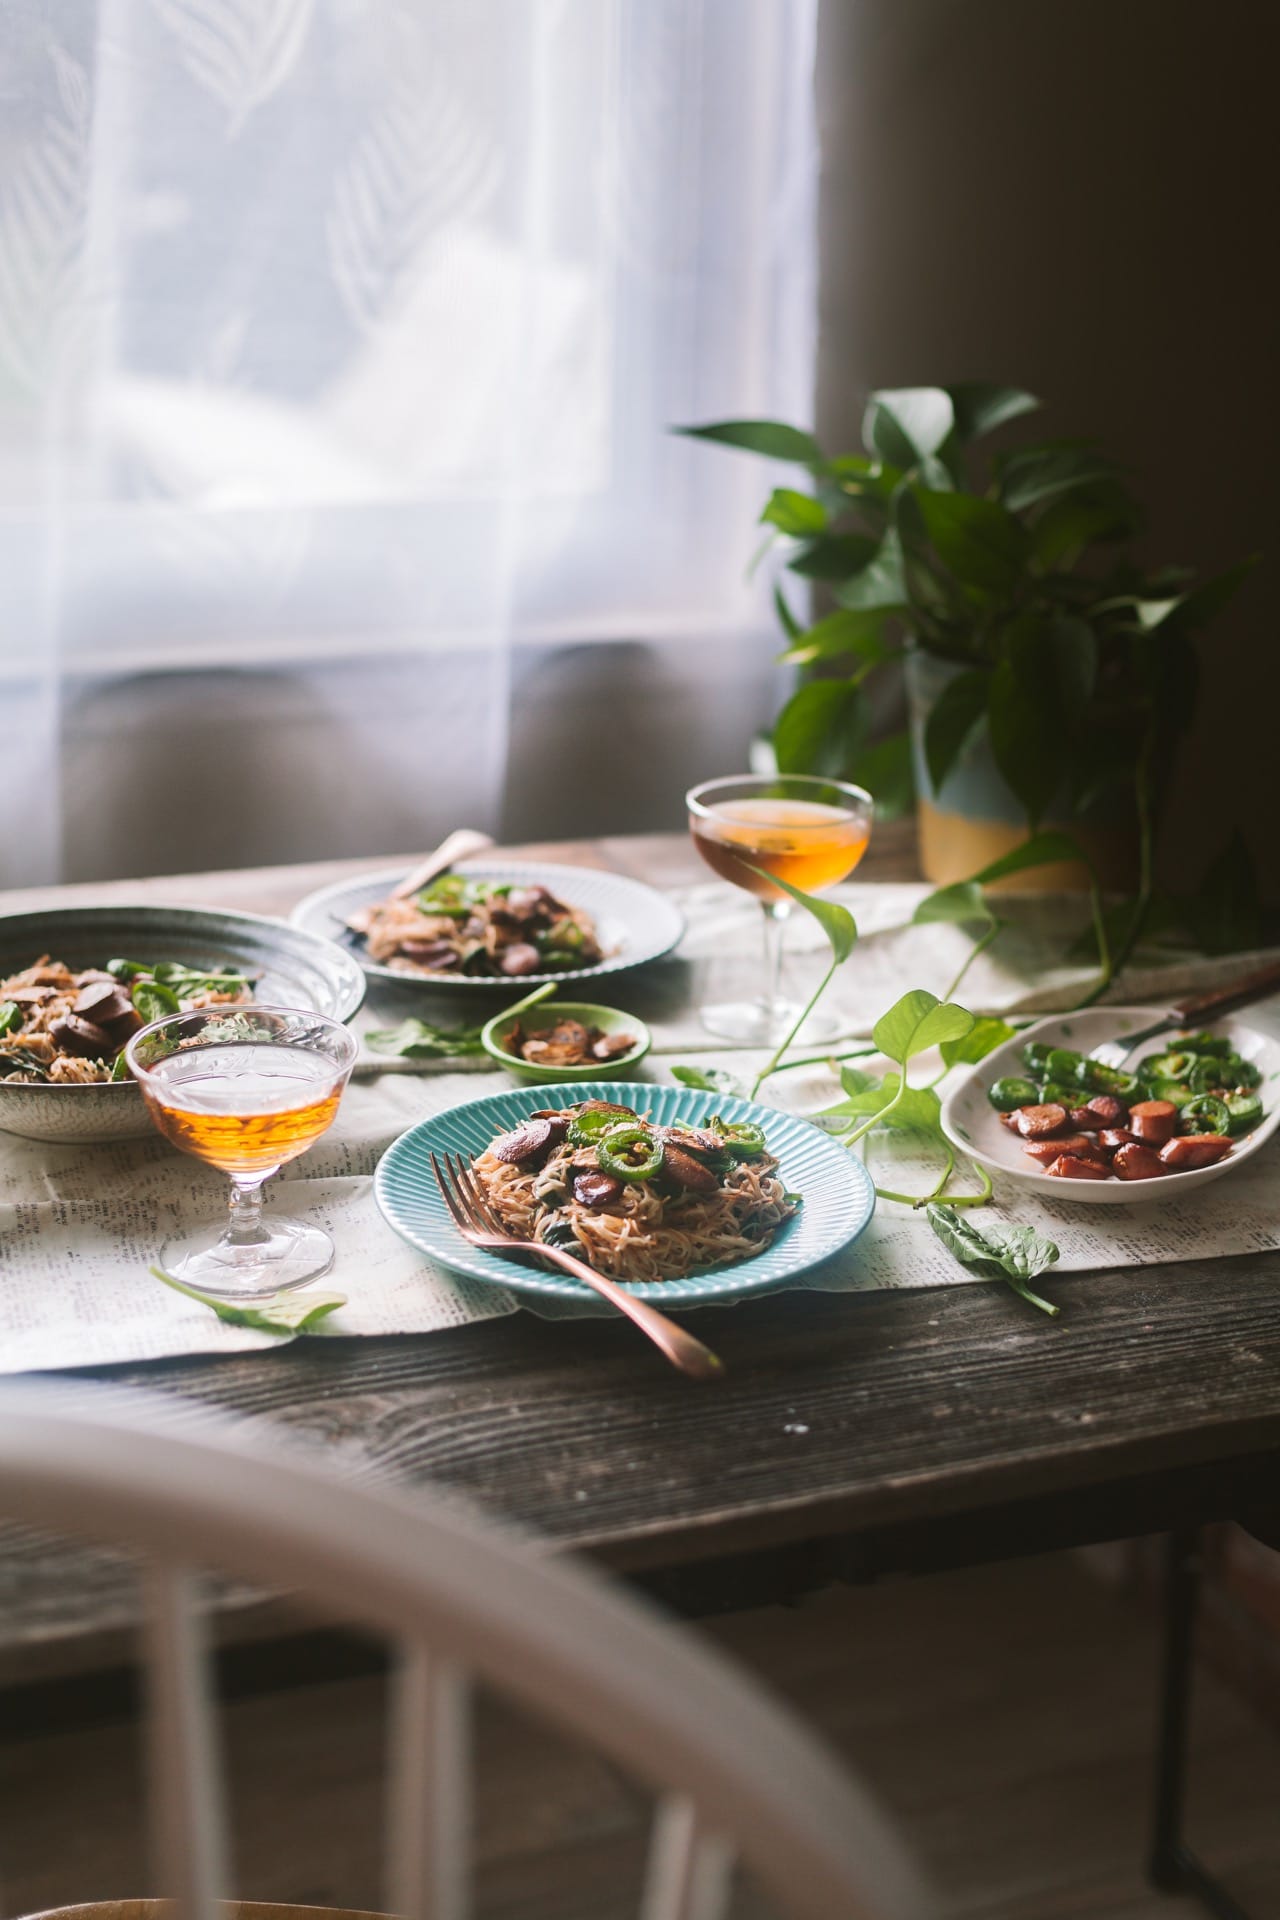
{"points": [[681, 1349], [1240, 993]]}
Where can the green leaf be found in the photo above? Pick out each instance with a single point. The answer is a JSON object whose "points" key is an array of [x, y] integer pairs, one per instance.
{"points": [[792, 627], [769, 437], [836, 921], [1039, 693], [983, 1037], [1040, 850], [1010, 1253], [417, 1039], [284, 1313], [710, 1080], [1194, 609], [962, 904], [917, 1111], [885, 770], [980, 407], [979, 540], [1073, 522], [880, 584], [795, 513], [835, 556], [907, 424], [1224, 915], [819, 729], [916, 1022], [855, 1081], [152, 1001], [1043, 473], [954, 720], [843, 632]]}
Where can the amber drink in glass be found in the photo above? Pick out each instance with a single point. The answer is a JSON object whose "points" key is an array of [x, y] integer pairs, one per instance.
{"points": [[245, 1089], [807, 831]]}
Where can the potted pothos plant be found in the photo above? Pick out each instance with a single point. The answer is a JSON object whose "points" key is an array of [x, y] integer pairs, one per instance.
{"points": [[1048, 674]]}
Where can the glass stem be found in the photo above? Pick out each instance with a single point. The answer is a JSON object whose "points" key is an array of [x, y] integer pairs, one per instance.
{"points": [[246, 1228], [776, 915]]}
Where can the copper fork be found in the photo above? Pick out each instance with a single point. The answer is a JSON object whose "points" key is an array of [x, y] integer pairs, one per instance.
{"points": [[477, 1222]]}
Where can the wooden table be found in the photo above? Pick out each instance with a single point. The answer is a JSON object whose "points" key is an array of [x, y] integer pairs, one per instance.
{"points": [[853, 1434]]}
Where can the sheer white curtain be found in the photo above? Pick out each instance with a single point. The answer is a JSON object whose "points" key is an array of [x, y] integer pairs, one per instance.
{"points": [[339, 340]]}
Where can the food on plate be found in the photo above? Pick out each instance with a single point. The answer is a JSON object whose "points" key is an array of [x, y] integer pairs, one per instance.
{"points": [[566, 1043], [478, 928], [1179, 1109], [63, 1028], [637, 1201]]}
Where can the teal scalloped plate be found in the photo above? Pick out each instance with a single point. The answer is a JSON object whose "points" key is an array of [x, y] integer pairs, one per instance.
{"points": [[839, 1197]]}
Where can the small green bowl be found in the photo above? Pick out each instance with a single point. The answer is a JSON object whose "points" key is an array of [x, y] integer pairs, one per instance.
{"points": [[538, 1019]]}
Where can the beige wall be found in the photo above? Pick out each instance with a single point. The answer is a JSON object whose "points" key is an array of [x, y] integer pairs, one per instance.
{"points": [[1083, 197]]}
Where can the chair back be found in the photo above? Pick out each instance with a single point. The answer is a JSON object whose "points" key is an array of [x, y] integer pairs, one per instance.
{"points": [[734, 1776]]}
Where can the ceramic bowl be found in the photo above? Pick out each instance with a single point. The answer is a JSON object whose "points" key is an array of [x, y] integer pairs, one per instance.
{"points": [[291, 969], [541, 1018], [970, 1121]]}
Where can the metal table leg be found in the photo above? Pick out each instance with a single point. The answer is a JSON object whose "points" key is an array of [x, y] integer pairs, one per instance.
{"points": [[1173, 1867]]}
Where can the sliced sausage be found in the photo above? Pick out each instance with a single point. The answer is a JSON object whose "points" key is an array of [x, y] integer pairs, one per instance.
{"points": [[685, 1171], [1110, 1111], [690, 1139], [1077, 1143], [1037, 1123], [1069, 1166], [522, 1142], [1136, 1162], [1154, 1121], [1009, 1119], [520, 959], [1189, 1150], [558, 1121], [75, 1035], [1083, 1119], [1113, 1138], [596, 1189]]}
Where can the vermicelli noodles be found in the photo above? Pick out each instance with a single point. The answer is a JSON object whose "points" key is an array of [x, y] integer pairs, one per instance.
{"points": [[560, 1191]]}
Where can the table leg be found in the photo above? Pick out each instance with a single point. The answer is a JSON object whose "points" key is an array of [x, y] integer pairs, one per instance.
{"points": [[1172, 1866]]}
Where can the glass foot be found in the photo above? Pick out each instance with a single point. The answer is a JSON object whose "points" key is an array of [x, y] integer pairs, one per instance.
{"points": [[754, 1024], [284, 1254]]}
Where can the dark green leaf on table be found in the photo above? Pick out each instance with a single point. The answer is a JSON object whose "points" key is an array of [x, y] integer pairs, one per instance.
{"points": [[417, 1039], [1010, 1253], [710, 1080], [287, 1313], [773, 438], [820, 729]]}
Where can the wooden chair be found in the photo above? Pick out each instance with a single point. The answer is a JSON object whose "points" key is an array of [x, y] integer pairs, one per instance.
{"points": [[733, 1775]]}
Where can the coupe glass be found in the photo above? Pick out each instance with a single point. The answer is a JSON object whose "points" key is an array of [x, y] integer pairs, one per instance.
{"points": [[245, 1089], [808, 831]]}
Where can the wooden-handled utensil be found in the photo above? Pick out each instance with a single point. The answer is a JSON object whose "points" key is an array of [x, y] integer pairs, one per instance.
{"points": [[1209, 1005], [460, 845]]}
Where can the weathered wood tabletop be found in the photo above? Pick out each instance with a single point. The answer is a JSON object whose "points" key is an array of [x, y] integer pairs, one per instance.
{"points": [[853, 1434]]}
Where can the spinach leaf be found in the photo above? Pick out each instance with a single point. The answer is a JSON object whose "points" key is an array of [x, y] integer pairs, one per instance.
{"points": [[10, 1017], [153, 1001], [1010, 1253], [710, 1080], [285, 1313], [418, 1040]]}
